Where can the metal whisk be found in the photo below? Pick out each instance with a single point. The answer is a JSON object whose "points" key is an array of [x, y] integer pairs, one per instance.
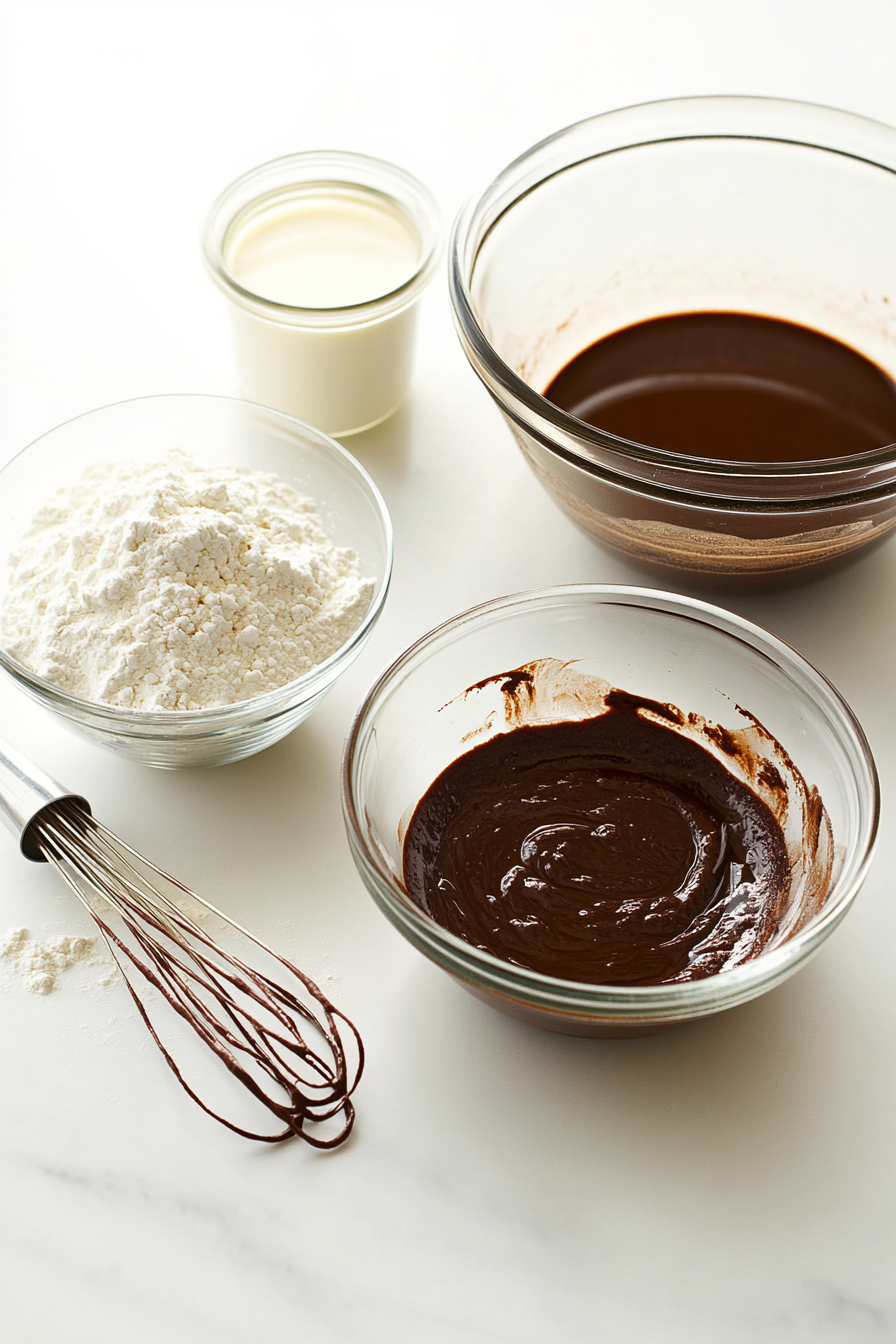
{"points": [[281, 1038]]}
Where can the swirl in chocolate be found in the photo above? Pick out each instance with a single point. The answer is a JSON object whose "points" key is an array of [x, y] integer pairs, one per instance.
{"points": [[611, 850]]}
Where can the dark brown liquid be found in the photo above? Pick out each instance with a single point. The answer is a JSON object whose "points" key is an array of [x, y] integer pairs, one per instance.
{"points": [[732, 387], [611, 850]]}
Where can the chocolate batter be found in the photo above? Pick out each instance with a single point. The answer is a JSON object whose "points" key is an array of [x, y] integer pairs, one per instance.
{"points": [[733, 387], [611, 850]]}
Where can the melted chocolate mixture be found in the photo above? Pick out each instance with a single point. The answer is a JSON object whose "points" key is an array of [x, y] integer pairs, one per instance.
{"points": [[611, 850], [732, 387]]}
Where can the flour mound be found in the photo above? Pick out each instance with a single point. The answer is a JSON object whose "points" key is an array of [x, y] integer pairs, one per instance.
{"points": [[175, 586], [39, 962]]}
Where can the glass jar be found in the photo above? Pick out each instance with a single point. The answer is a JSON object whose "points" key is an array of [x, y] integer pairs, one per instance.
{"points": [[323, 257]]}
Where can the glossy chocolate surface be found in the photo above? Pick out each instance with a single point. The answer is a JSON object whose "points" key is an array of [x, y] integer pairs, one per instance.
{"points": [[611, 850], [733, 387]]}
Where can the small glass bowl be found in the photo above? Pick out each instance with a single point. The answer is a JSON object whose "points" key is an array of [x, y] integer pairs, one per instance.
{"points": [[214, 431], [747, 205], [416, 719]]}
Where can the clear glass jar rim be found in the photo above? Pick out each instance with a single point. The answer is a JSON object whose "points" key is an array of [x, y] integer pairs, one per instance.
{"points": [[324, 168]]}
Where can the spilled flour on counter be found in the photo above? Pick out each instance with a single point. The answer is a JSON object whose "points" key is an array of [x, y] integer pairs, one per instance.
{"points": [[176, 586], [38, 963]]}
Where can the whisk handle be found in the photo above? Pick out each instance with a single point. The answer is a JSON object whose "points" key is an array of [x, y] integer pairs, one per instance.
{"points": [[25, 791]]}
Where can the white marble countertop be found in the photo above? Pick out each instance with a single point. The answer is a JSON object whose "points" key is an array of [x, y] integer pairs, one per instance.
{"points": [[728, 1183]]}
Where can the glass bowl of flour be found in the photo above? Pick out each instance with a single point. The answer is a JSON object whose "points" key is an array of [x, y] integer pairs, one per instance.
{"points": [[185, 577]]}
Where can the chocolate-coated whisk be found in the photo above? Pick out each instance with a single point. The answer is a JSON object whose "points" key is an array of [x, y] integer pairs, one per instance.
{"points": [[279, 1037]]}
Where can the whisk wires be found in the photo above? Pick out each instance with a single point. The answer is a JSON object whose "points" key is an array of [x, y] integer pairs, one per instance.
{"points": [[297, 1054]]}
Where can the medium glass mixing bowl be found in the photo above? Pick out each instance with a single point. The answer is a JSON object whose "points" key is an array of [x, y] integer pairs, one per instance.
{"points": [[745, 205], [214, 431], [430, 706]]}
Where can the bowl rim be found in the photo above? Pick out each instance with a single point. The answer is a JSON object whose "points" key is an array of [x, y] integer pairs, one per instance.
{"points": [[657, 1002], [636, 126], [304, 687]]}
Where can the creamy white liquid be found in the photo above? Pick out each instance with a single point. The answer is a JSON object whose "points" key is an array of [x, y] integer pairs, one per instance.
{"points": [[323, 247]]}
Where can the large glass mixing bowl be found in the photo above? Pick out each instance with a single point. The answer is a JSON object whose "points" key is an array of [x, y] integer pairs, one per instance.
{"points": [[744, 205]]}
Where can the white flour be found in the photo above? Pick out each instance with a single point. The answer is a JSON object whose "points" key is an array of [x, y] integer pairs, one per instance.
{"points": [[175, 586], [39, 962]]}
